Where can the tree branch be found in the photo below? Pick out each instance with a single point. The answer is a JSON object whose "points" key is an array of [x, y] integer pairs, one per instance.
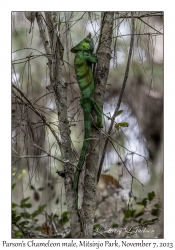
{"points": [[40, 156], [120, 97], [159, 14], [31, 106], [60, 93], [100, 79]]}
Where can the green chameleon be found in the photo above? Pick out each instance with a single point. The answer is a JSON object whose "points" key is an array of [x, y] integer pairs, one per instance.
{"points": [[83, 61]]}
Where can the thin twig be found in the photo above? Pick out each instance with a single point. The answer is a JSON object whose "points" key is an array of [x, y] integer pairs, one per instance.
{"points": [[74, 23], [149, 25], [146, 15], [63, 161], [125, 165], [131, 152], [27, 156], [42, 149], [31, 106], [39, 156], [140, 34]]}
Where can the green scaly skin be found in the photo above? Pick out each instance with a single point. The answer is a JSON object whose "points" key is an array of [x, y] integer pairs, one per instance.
{"points": [[83, 61]]}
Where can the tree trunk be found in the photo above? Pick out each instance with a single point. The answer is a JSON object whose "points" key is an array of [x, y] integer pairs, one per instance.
{"points": [[101, 75], [60, 92]]}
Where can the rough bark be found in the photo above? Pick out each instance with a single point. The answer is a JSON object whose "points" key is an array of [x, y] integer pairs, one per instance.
{"points": [[101, 75], [60, 92]]}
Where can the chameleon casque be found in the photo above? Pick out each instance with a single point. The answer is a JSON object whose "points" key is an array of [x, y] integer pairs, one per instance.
{"points": [[84, 58]]}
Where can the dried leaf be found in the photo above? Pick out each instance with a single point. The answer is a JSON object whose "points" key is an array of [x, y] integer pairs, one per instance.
{"points": [[30, 15], [117, 126], [36, 196]]}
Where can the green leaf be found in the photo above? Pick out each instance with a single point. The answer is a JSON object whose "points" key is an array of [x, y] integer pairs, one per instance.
{"points": [[123, 124], [147, 222], [144, 202], [34, 214], [13, 185], [132, 212], [64, 218], [64, 214], [41, 208], [119, 112], [154, 220], [155, 212], [38, 228], [17, 218], [157, 205], [151, 196], [139, 214], [14, 205], [64, 221], [13, 215], [115, 225], [23, 201], [135, 220], [129, 213], [126, 213], [38, 211], [28, 205], [13, 110], [25, 222], [98, 227], [18, 234], [140, 220], [25, 215]]}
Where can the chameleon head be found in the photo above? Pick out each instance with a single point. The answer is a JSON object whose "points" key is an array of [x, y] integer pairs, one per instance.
{"points": [[86, 44]]}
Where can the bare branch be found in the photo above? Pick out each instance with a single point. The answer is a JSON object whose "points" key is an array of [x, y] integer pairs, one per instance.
{"points": [[100, 78], [140, 34], [31, 106], [120, 98], [27, 156], [149, 25], [43, 34], [63, 161], [60, 93], [158, 14], [131, 152], [40, 156], [125, 164]]}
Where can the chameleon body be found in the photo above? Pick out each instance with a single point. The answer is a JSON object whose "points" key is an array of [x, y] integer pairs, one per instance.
{"points": [[83, 61]]}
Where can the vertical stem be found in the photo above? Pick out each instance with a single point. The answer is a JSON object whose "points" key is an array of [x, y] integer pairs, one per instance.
{"points": [[101, 75], [60, 92], [120, 96]]}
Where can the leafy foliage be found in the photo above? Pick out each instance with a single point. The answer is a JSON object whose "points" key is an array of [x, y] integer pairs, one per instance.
{"points": [[143, 216], [27, 223], [24, 222]]}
